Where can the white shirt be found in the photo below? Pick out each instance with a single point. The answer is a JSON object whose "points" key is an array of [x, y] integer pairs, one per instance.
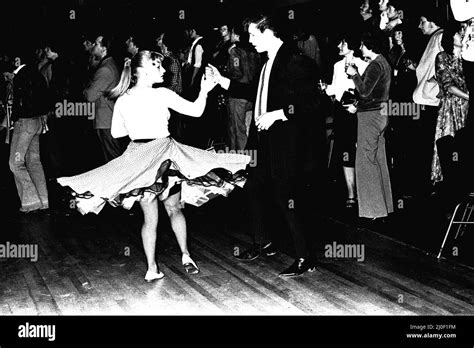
{"points": [[468, 44], [463, 10], [265, 79], [384, 20], [144, 113], [17, 70], [199, 52], [340, 81]]}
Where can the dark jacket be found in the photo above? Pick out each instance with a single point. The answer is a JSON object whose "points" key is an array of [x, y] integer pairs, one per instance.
{"points": [[296, 146], [30, 93], [105, 79], [374, 85], [243, 66]]}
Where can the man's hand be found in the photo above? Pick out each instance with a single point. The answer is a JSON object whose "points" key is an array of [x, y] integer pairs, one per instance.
{"points": [[266, 120], [214, 72], [50, 54], [8, 76], [393, 23]]}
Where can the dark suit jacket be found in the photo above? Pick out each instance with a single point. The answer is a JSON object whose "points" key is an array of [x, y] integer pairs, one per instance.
{"points": [[105, 79], [296, 147], [30, 93]]}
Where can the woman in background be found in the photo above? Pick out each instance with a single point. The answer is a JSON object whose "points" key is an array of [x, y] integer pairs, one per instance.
{"points": [[454, 96], [345, 122]]}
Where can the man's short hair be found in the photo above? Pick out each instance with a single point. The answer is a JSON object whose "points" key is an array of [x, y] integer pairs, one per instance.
{"points": [[173, 40], [142, 41], [272, 22], [352, 39], [238, 28], [397, 4], [107, 42], [433, 14], [192, 25]]}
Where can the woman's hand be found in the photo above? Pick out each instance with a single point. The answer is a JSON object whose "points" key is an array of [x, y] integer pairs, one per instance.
{"points": [[351, 70], [351, 108]]}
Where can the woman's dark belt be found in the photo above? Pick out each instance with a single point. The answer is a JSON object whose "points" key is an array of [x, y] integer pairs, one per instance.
{"points": [[141, 141]]}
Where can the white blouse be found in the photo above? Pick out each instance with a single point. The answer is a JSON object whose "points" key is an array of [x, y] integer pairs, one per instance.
{"points": [[144, 113], [340, 81]]}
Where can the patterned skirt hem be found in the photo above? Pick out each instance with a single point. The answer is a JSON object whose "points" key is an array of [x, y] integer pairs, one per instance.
{"points": [[195, 191]]}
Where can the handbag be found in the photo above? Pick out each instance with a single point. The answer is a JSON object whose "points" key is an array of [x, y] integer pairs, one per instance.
{"points": [[349, 98]]}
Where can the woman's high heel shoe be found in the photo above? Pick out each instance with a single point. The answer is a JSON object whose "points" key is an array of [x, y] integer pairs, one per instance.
{"points": [[189, 265], [152, 276]]}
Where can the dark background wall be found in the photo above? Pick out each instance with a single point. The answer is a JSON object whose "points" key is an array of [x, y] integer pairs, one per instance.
{"points": [[32, 18]]}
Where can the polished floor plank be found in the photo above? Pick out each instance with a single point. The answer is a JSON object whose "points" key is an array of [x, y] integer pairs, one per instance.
{"points": [[245, 287], [434, 298], [347, 301], [83, 269], [24, 303], [40, 293], [426, 307], [400, 259], [63, 291], [267, 278]]}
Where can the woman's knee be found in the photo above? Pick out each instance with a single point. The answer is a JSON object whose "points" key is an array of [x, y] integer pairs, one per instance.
{"points": [[173, 204], [150, 212], [173, 209]]}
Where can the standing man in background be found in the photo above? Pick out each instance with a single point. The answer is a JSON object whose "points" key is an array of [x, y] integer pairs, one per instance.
{"points": [[105, 79]]}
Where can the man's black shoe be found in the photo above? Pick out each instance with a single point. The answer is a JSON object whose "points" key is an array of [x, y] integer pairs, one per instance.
{"points": [[300, 266], [375, 224], [250, 254]]}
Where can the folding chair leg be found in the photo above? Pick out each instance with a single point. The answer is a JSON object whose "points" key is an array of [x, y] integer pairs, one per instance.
{"points": [[462, 220], [331, 146], [449, 229], [463, 226]]}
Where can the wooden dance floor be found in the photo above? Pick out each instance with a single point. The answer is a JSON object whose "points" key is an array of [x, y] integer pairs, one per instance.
{"points": [[84, 268]]}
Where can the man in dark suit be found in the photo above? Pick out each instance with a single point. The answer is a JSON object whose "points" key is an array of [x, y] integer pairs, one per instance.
{"points": [[105, 79], [288, 136]]}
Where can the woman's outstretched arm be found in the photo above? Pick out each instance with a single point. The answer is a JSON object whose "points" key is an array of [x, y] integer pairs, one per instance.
{"points": [[186, 107]]}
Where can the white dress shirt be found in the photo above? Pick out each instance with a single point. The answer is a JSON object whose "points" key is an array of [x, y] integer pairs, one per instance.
{"points": [[267, 69], [17, 70], [280, 114]]}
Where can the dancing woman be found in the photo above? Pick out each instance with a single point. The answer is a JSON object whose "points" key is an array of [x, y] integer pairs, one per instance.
{"points": [[155, 165]]}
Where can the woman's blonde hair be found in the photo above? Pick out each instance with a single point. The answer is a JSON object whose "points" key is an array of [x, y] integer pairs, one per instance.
{"points": [[129, 74]]}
